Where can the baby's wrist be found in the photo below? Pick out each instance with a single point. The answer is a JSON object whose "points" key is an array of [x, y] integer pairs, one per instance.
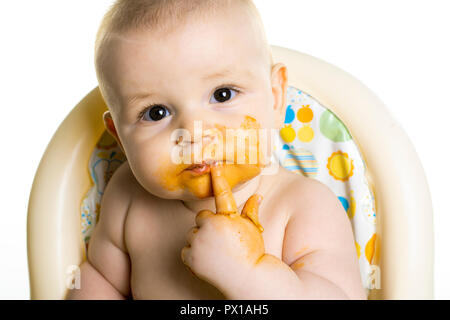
{"points": [[245, 280]]}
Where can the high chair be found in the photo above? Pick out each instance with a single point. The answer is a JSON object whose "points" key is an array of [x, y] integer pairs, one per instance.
{"points": [[401, 254]]}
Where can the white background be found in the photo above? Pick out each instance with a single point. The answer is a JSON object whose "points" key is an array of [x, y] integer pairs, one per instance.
{"points": [[399, 49]]}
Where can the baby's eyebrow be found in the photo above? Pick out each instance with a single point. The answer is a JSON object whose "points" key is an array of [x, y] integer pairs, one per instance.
{"points": [[219, 74], [136, 97], [130, 99], [240, 73]]}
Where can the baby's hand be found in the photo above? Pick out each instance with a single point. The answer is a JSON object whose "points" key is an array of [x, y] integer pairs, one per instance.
{"points": [[224, 246]]}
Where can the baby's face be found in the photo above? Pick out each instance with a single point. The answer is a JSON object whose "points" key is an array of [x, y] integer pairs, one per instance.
{"points": [[210, 74]]}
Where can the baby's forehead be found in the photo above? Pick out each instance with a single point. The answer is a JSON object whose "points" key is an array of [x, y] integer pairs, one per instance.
{"points": [[201, 49], [231, 29], [209, 57]]}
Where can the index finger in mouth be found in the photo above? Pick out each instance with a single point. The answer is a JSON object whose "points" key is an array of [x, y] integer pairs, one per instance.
{"points": [[225, 203]]}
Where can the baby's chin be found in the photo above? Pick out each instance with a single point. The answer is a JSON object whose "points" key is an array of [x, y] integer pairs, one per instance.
{"points": [[182, 194], [198, 186]]}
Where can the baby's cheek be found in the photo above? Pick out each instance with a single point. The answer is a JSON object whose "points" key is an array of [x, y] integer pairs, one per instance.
{"points": [[235, 174], [146, 167], [147, 177]]}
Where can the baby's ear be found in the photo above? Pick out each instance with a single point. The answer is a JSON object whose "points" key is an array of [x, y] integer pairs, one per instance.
{"points": [[279, 81], [111, 128]]}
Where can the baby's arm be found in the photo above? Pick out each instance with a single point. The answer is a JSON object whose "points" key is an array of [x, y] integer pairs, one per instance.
{"points": [[319, 257], [106, 273], [320, 248]]}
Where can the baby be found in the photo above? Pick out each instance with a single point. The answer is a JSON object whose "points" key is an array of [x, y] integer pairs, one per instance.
{"points": [[182, 218]]}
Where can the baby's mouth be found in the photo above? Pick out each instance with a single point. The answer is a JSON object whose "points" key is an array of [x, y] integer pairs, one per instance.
{"points": [[201, 168]]}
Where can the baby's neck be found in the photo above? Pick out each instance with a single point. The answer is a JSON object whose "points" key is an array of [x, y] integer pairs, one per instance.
{"points": [[241, 194]]}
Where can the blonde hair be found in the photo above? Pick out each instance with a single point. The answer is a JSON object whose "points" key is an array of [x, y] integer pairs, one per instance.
{"points": [[162, 16]]}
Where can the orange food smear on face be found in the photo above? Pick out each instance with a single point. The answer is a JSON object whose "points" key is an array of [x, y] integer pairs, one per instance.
{"points": [[250, 123], [173, 177]]}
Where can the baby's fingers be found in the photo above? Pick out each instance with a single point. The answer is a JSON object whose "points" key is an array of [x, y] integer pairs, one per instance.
{"points": [[225, 203], [186, 258], [250, 210], [201, 217], [191, 235]]}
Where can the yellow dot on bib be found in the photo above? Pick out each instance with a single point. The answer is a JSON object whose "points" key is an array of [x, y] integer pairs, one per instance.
{"points": [[305, 114], [305, 133], [287, 133], [352, 207], [358, 249], [370, 248]]}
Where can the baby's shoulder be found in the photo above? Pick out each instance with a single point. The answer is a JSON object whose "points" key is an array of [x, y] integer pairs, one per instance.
{"points": [[298, 193], [286, 184], [114, 207], [120, 186], [118, 193]]}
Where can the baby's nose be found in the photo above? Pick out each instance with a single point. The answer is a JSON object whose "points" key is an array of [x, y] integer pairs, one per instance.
{"points": [[193, 123], [201, 146], [198, 135]]}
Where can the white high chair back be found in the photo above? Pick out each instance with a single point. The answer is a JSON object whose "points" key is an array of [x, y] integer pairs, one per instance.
{"points": [[403, 204]]}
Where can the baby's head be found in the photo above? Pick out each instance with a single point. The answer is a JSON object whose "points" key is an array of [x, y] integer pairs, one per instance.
{"points": [[165, 65]]}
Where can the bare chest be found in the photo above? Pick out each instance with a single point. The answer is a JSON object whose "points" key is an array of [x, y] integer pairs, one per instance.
{"points": [[154, 239]]}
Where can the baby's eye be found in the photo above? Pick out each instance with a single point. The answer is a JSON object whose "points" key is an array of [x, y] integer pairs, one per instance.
{"points": [[223, 95], [155, 113]]}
